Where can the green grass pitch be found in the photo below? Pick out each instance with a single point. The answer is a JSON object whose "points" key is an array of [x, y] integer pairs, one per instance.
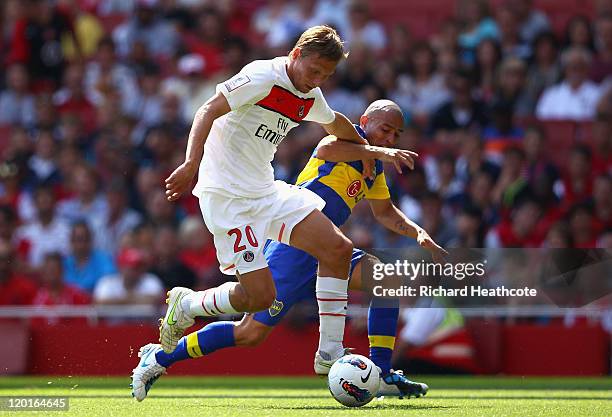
{"points": [[279, 397]]}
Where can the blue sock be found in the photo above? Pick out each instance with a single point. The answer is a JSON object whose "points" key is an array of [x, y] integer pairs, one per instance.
{"points": [[212, 337], [382, 327]]}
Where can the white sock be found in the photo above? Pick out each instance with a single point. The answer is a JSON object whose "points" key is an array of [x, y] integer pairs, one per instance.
{"points": [[332, 299], [210, 302]]}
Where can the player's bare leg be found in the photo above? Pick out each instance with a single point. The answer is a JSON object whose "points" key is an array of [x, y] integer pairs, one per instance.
{"points": [[255, 291], [319, 237], [250, 332]]}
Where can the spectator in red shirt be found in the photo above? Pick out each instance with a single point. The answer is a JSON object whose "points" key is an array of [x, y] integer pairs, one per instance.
{"points": [[583, 226], [198, 251], [72, 97], [521, 231], [207, 40], [55, 291], [15, 289]]}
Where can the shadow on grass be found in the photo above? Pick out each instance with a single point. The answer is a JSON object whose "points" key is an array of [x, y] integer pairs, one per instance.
{"points": [[318, 397], [519, 397], [368, 408], [335, 406]]}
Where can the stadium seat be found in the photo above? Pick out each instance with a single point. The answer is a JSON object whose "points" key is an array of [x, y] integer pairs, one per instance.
{"points": [[5, 137], [559, 12], [423, 19], [560, 137]]}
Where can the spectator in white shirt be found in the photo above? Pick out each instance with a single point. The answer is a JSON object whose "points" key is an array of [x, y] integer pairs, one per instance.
{"points": [[362, 29], [422, 87], [576, 97], [119, 219], [87, 203], [105, 70], [42, 162], [17, 104], [47, 233], [132, 285]]}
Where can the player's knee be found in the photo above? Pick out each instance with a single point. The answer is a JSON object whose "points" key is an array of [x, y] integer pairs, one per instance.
{"points": [[341, 250]]}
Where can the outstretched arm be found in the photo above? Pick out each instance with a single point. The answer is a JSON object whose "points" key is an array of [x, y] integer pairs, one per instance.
{"points": [[343, 129], [180, 180], [393, 219], [334, 150]]}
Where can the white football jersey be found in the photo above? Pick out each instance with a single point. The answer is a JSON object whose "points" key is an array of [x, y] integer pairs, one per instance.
{"points": [[241, 144]]}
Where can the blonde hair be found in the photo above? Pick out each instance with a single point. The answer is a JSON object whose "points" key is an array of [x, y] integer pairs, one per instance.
{"points": [[322, 40]]}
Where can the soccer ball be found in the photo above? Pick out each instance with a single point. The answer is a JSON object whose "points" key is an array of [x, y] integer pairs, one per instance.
{"points": [[353, 380]]}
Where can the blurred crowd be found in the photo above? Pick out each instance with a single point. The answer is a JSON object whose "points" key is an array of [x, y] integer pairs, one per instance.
{"points": [[512, 119]]}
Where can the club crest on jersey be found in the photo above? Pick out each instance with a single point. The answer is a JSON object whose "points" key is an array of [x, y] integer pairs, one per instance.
{"points": [[353, 189], [248, 256], [301, 111], [276, 308]]}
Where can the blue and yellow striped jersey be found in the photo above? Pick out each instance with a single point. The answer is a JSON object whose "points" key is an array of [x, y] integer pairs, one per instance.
{"points": [[342, 185]]}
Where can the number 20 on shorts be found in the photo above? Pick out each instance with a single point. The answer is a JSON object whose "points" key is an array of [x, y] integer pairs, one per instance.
{"points": [[238, 233]]}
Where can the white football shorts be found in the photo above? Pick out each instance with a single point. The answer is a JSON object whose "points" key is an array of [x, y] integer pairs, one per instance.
{"points": [[241, 226]]}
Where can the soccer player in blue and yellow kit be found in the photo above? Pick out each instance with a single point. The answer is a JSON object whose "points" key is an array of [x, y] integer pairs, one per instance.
{"points": [[334, 172]]}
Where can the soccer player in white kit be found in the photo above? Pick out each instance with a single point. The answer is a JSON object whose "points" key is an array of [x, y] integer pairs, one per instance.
{"points": [[235, 135]]}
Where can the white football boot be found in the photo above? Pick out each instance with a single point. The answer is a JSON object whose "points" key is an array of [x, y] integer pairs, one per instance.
{"points": [[146, 372], [323, 361], [177, 320]]}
